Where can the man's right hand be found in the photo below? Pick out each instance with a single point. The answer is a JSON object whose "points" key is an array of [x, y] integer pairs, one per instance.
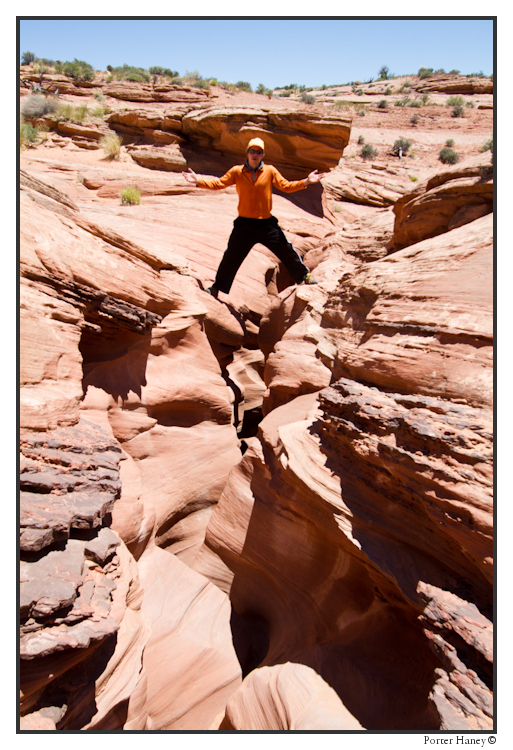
{"points": [[191, 176]]}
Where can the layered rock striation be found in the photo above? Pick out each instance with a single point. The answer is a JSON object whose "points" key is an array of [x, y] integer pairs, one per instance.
{"points": [[272, 510]]}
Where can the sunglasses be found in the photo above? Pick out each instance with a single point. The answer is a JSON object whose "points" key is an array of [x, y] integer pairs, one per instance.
{"points": [[255, 151]]}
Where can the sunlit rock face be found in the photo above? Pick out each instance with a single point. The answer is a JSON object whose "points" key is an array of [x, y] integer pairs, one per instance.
{"points": [[271, 510]]}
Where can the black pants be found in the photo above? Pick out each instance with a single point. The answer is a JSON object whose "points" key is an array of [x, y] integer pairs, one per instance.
{"points": [[245, 234]]}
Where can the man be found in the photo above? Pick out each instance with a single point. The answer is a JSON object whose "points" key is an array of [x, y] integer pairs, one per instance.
{"points": [[254, 181]]}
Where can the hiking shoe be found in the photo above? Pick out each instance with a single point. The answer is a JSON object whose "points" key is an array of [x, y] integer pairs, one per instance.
{"points": [[213, 290], [309, 279]]}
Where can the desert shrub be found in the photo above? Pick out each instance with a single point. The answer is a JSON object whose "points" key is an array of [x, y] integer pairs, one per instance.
{"points": [[384, 73], [425, 72], [307, 98], [414, 119], [100, 111], [454, 101], [68, 113], [261, 89], [111, 144], [78, 70], [361, 140], [388, 91], [449, 142], [458, 111], [29, 135], [27, 58], [368, 152], [35, 106], [488, 146], [244, 85], [129, 73], [201, 83], [454, 72], [285, 93], [448, 156], [157, 70], [401, 145], [361, 112], [383, 104], [130, 196], [415, 103]]}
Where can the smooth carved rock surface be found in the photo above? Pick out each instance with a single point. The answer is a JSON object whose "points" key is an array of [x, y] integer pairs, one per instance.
{"points": [[186, 565], [286, 697]]}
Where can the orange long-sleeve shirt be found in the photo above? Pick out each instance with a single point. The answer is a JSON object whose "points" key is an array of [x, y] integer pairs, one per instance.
{"points": [[255, 198]]}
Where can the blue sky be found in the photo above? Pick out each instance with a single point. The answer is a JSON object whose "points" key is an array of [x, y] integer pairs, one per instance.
{"points": [[273, 52]]}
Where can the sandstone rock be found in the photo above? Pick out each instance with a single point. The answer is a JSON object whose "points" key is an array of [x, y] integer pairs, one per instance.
{"points": [[286, 697], [444, 202], [340, 557], [141, 122], [364, 186], [167, 158], [445, 296], [189, 665], [134, 92], [455, 85], [294, 141]]}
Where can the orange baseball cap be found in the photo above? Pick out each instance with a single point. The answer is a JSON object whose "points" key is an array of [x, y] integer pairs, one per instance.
{"points": [[256, 143]]}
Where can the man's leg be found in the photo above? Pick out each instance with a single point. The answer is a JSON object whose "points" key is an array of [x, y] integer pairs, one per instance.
{"points": [[276, 241], [240, 243]]}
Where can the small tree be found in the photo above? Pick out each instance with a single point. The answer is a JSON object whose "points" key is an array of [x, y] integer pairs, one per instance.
{"points": [[27, 58], [384, 73]]}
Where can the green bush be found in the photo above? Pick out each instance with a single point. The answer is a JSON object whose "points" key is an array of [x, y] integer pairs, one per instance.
{"points": [[129, 73], [361, 140], [448, 156], [244, 85], [458, 111], [78, 70], [27, 58], [29, 135], [449, 142], [455, 101], [130, 196], [307, 98], [401, 145], [414, 119], [368, 152], [383, 104], [157, 70], [488, 146], [425, 72], [68, 113], [35, 106], [384, 73]]}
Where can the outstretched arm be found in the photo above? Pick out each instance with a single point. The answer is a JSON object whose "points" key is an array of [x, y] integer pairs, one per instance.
{"points": [[314, 177], [211, 183], [191, 177]]}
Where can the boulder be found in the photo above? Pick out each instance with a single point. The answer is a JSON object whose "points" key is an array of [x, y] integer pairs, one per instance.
{"points": [[294, 141], [446, 201]]}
